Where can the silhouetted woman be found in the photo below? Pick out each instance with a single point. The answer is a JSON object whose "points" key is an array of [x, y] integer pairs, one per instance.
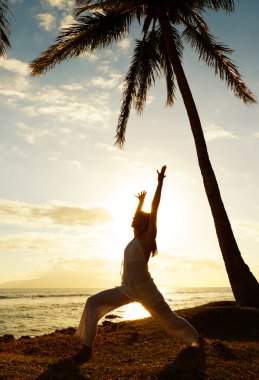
{"points": [[137, 284]]}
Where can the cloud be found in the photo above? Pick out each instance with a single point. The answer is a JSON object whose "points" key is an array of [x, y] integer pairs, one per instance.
{"points": [[185, 176], [75, 164], [31, 135], [46, 21], [72, 87], [191, 257], [72, 216], [13, 95], [108, 79], [43, 238], [124, 44], [16, 1], [51, 213], [26, 242], [108, 148], [250, 229], [14, 86], [186, 263], [214, 132], [106, 83], [66, 21], [150, 99], [15, 66], [67, 103], [60, 4], [14, 89], [90, 56], [257, 134], [69, 107]]}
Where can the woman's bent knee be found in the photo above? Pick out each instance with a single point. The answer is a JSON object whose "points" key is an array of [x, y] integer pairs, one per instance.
{"points": [[90, 302]]}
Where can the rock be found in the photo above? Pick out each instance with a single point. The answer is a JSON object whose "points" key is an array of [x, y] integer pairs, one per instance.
{"points": [[25, 337], [7, 337], [112, 316], [107, 323]]}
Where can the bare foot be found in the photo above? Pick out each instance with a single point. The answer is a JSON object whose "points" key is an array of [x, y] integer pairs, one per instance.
{"points": [[201, 342], [83, 355]]}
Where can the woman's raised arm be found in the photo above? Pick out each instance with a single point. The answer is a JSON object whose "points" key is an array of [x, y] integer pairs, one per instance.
{"points": [[141, 198], [157, 196]]}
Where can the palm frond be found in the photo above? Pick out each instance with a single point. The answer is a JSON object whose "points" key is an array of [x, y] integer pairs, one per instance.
{"points": [[149, 70], [170, 82], [217, 5], [149, 60], [103, 6], [96, 6], [129, 92], [4, 28], [216, 55], [87, 34], [167, 69], [186, 9], [84, 2], [177, 41]]}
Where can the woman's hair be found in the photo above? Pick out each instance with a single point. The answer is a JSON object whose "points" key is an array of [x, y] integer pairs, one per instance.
{"points": [[146, 216]]}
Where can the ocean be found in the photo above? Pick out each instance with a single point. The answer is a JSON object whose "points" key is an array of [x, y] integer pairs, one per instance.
{"points": [[41, 311]]}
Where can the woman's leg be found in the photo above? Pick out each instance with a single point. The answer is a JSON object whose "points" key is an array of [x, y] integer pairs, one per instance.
{"points": [[95, 308], [174, 325]]}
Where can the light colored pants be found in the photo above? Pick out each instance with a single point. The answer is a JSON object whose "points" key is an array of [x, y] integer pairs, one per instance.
{"points": [[106, 301]]}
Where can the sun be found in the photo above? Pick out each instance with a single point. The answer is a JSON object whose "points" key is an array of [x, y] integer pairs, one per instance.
{"points": [[134, 311], [171, 217]]}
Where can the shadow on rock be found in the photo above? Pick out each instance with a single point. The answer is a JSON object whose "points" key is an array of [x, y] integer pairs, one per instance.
{"points": [[226, 321], [64, 369], [190, 364]]}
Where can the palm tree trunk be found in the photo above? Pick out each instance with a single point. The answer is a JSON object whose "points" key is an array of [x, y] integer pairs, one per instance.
{"points": [[244, 285]]}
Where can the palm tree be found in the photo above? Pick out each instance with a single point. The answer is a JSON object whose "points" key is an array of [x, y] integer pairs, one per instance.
{"points": [[165, 24], [4, 28]]}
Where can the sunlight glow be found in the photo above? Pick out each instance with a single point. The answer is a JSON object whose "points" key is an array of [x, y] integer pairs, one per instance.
{"points": [[171, 218], [135, 311]]}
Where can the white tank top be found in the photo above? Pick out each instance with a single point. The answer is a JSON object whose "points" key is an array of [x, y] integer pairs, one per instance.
{"points": [[135, 268], [137, 283]]}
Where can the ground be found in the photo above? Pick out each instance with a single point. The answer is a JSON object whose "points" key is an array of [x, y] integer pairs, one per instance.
{"points": [[141, 350]]}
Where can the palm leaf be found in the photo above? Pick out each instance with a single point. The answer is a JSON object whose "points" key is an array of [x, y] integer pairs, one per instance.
{"points": [[84, 2], [88, 33], [97, 6], [167, 69], [216, 55], [217, 5], [129, 92], [148, 61], [104, 5], [149, 70], [4, 28]]}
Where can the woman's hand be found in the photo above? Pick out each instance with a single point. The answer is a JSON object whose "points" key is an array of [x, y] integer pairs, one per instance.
{"points": [[161, 174], [141, 196]]}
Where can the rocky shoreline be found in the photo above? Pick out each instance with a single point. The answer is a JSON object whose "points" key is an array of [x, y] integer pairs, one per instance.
{"points": [[141, 350]]}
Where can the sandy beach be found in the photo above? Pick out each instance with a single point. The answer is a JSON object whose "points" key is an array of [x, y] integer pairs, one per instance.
{"points": [[141, 350]]}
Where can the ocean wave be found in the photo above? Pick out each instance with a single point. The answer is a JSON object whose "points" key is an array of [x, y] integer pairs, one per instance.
{"points": [[34, 296], [22, 310]]}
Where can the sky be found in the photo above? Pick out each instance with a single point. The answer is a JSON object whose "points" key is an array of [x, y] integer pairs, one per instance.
{"points": [[67, 193]]}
